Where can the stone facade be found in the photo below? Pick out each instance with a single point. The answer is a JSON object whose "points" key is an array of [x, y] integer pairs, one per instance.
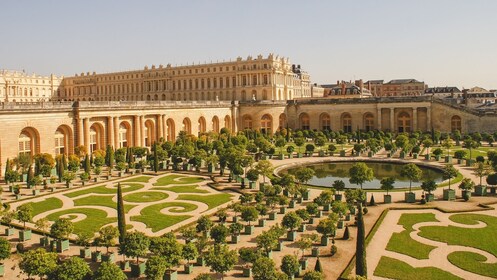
{"points": [[17, 86], [137, 108], [260, 78]]}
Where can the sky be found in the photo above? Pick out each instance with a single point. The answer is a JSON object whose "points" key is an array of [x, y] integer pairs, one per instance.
{"points": [[440, 42]]}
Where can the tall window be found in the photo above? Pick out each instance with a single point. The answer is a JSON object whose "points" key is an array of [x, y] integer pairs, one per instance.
{"points": [[305, 121], [25, 144], [123, 136], [93, 140], [247, 122], [455, 123], [282, 121], [347, 123], [404, 122], [59, 143], [368, 122], [266, 124], [325, 122], [147, 139]]}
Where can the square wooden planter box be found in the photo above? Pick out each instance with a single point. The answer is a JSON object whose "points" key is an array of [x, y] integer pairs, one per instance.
{"points": [[137, 269], [387, 198], [24, 235], [410, 197], [291, 236], [84, 253], [62, 245], [96, 256], [449, 194]]}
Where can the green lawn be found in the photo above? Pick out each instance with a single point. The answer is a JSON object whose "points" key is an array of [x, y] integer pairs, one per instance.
{"points": [[395, 269], [139, 179], [145, 196], [95, 219], [104, 190], [212, 201], [480, 238], [105, 201], [402, 243], [473, 262], [46, 205], [182, 189], [177, 179], [154, 219]]}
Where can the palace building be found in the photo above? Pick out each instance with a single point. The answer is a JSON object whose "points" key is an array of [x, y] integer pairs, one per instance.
{"points": [[136, 108]]}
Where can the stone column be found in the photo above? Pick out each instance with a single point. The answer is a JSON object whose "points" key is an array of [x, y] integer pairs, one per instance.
{"points": [[164, 127], [429, 125], [86, 133], [142, 131], [234, 119], [116, 131], [137, 130], [80, 132], [414, 118], [378, 117], [160, 127], [392, 119], [110, 132]]}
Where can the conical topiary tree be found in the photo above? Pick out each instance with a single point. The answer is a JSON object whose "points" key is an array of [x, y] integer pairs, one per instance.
{"points": [[346, 233], [121, 218], [318, 266], [360, 266]]}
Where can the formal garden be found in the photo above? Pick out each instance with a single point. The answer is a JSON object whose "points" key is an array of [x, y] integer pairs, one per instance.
{"points": [[215, 206]]}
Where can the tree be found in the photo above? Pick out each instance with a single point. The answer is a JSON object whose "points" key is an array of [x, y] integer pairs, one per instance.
{"points": [[25, 213], [189, 252], [299, 141], [291, 221], [265, 269], [221, 259], [121, 216], [135, 244], [318, 267], [312, 208], [38, 262], [481, 170], [338, 185], [108, 235], [267, 241], [109, 271], [427, 143], [449, 172], [326, 227], [360, 173], [360, 266], [155, 267], [249, 214], [447, 144], [156, 158], [387, 183], [429, 186], [219, 233], [72, 269], [304, 174], [460, 154], [466, 184], [62, 228], [313, 275], [204, 224], [304, 243], [290, 265], [412, 172], [168, 247], [4, 248], [264, 168], [203, 276]]}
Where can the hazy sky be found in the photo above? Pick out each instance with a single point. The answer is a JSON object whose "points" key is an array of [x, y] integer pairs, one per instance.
{"points": [[445, 42]]}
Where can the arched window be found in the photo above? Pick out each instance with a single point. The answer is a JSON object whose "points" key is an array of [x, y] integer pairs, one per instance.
{"points": [[187, 126], [304, 121], [171, 133], [29, 141], [266, 124], [325, 121], [201, 125], [282, 121], [346, 123], [215, 124], [60, 143], [368, 122], [149, 133], [247, 122], [93, 140], [25, 144], [123, 136], [404, 122], [455, 123], [227, 122]]}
